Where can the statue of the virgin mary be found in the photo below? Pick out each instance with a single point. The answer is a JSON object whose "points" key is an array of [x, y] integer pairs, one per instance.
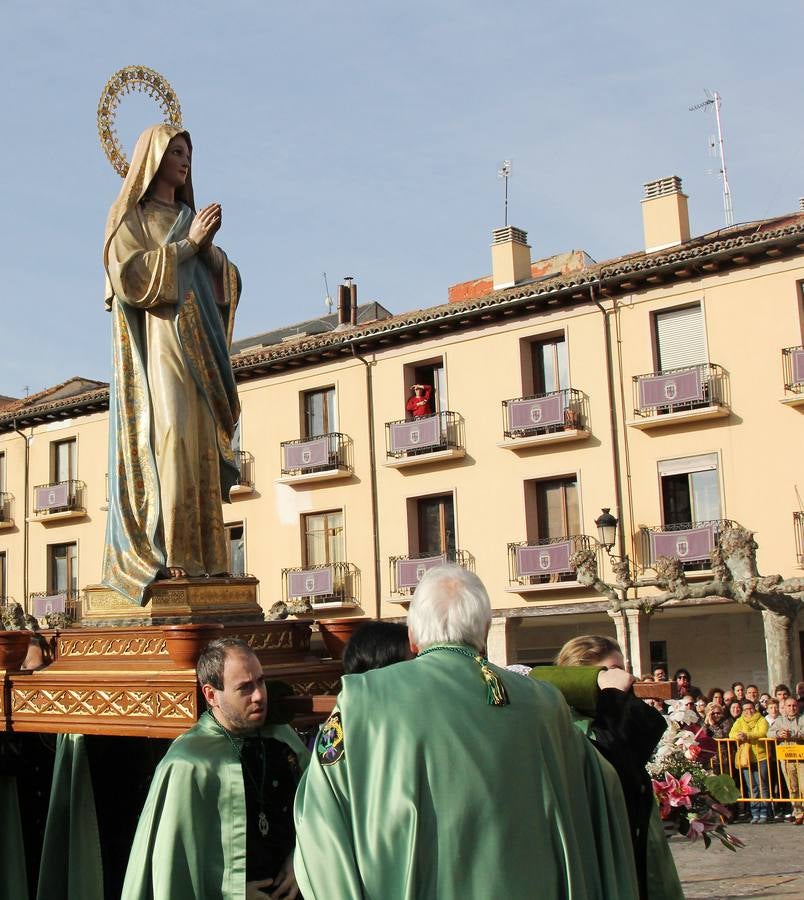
{"points": [[173, 402]]}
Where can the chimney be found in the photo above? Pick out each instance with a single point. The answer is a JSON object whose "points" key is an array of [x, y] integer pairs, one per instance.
{"points": [[801, 204], [510, 257], [347, 303], [665, 219]]}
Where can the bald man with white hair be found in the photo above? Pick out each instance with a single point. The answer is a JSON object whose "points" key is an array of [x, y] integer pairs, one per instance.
{"points": [[447, 777]]}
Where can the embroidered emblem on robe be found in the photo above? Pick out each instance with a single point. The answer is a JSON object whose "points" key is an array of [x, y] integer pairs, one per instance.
{"points": [[329, 745]]}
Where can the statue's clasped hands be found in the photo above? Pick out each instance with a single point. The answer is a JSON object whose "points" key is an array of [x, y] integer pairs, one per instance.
{"points": [[206, 225]]}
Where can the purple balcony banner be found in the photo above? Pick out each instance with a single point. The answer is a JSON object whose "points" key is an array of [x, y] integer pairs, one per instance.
{"points": [[544, 559], [43, 606], [536, 413], [666, 390], [311, 582], [691, 544], [424, 432], [307, 455], [52, 496], [409, 571], [798, 366]]}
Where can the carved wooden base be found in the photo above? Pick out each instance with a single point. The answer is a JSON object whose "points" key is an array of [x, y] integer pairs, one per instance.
{"points": [[175, 601], [122, 681]]}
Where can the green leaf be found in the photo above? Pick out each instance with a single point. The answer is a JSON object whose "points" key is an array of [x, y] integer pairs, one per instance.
{"points": [[722, 788]]}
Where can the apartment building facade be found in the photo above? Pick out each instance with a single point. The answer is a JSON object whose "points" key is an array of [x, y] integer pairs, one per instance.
{"points": [[666, 385]]}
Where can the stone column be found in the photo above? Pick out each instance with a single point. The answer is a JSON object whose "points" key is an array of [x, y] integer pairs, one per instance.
{"points": [[638, 641], [501, 644]]}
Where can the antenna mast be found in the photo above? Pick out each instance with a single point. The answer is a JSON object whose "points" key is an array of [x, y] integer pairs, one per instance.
{"points": [[504, 172], [713, 99]]}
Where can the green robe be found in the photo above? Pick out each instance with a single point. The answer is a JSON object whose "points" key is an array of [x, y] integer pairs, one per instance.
{"points": [[191, 838], [439, 795]]}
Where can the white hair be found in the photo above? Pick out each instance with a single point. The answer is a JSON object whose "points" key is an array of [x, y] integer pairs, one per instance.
{"points": [[450, 604]]}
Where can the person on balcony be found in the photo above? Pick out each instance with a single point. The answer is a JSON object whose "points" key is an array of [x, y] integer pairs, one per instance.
{"points": [[419, 404]]}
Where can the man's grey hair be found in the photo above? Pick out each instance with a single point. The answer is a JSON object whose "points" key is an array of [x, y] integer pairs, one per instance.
{"points": [[450, 604], [209, 668]]}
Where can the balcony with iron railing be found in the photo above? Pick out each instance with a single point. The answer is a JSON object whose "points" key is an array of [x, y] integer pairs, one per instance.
{"points": [[6, 510], [551, 418], [327, 586], [322, 457], [59, 500], [43, 604], [673, 396], [798, 527], [793, 372], [545, 564], [689, 542], [245, 471], [426, 439], [407, 571]]}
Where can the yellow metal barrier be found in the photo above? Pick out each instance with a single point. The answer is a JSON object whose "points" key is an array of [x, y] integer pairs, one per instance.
{"points": [[777, 778]]}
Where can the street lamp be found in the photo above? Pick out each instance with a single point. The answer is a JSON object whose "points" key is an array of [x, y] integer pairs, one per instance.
{"points": [[606, 528]]}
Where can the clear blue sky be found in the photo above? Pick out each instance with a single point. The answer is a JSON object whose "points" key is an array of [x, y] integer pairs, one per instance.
{"points": [[363, 138]]}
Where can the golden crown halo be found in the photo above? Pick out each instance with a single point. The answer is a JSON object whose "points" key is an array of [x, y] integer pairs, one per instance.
{"points": [[129, 80]]}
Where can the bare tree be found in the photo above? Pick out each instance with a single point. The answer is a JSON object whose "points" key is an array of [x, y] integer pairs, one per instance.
{"points": [[734, 567]]}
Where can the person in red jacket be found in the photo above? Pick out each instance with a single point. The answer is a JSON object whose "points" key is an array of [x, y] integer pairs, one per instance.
{"points": [[418, 404]]}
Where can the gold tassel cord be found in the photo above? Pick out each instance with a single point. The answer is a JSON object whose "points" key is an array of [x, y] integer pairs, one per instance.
{"points": [[496, 693]]}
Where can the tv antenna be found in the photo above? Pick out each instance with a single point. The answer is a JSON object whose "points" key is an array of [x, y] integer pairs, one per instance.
{"points": [[328, 301], [713, 99], [504, 172]]}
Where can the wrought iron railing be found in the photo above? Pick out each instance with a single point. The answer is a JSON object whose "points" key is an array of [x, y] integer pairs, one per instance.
{"points": [[61, 496], [793, 369], [689, 542], [5, 506], [550, 413], [546, 561], [407, 571], [245, 467], [44, 603], [426, 434], [680, 390], [332, 583], [320, 453], [798, 527]]}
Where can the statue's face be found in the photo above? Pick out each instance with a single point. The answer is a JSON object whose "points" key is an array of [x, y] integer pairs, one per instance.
{"points": [[175, 165]]}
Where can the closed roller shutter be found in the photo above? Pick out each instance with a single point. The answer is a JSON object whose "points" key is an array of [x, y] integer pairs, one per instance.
{"points": [[680, 338]]}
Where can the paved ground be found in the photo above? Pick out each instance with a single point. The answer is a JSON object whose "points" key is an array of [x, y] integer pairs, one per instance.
{"points": [[770, 865]]}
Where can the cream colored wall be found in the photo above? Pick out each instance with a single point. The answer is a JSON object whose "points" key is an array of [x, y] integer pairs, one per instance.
{"points": [[87, 531], [750, 316], [483, 369], [271, 413]]}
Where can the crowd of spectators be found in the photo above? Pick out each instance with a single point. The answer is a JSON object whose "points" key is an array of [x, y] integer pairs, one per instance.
{"points": [[755, 723]]}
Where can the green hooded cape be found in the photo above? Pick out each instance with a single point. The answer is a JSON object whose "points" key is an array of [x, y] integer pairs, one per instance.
{"points": [[191, 838], [434, 793]]}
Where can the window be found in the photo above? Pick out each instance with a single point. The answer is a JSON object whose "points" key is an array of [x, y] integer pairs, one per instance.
{"points": [[435, 525], [62, 568], [658, 655], [690, 489], [236, 435], [551, 508], [549, 366], [680, 338], [2, 472], [64, 460], [323, 538], [3, 576], [428, 373], [319, 412], [236, 549]]}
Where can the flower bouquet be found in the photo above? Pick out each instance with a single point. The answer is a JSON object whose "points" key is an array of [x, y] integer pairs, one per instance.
{"points": [[692, 800]]}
